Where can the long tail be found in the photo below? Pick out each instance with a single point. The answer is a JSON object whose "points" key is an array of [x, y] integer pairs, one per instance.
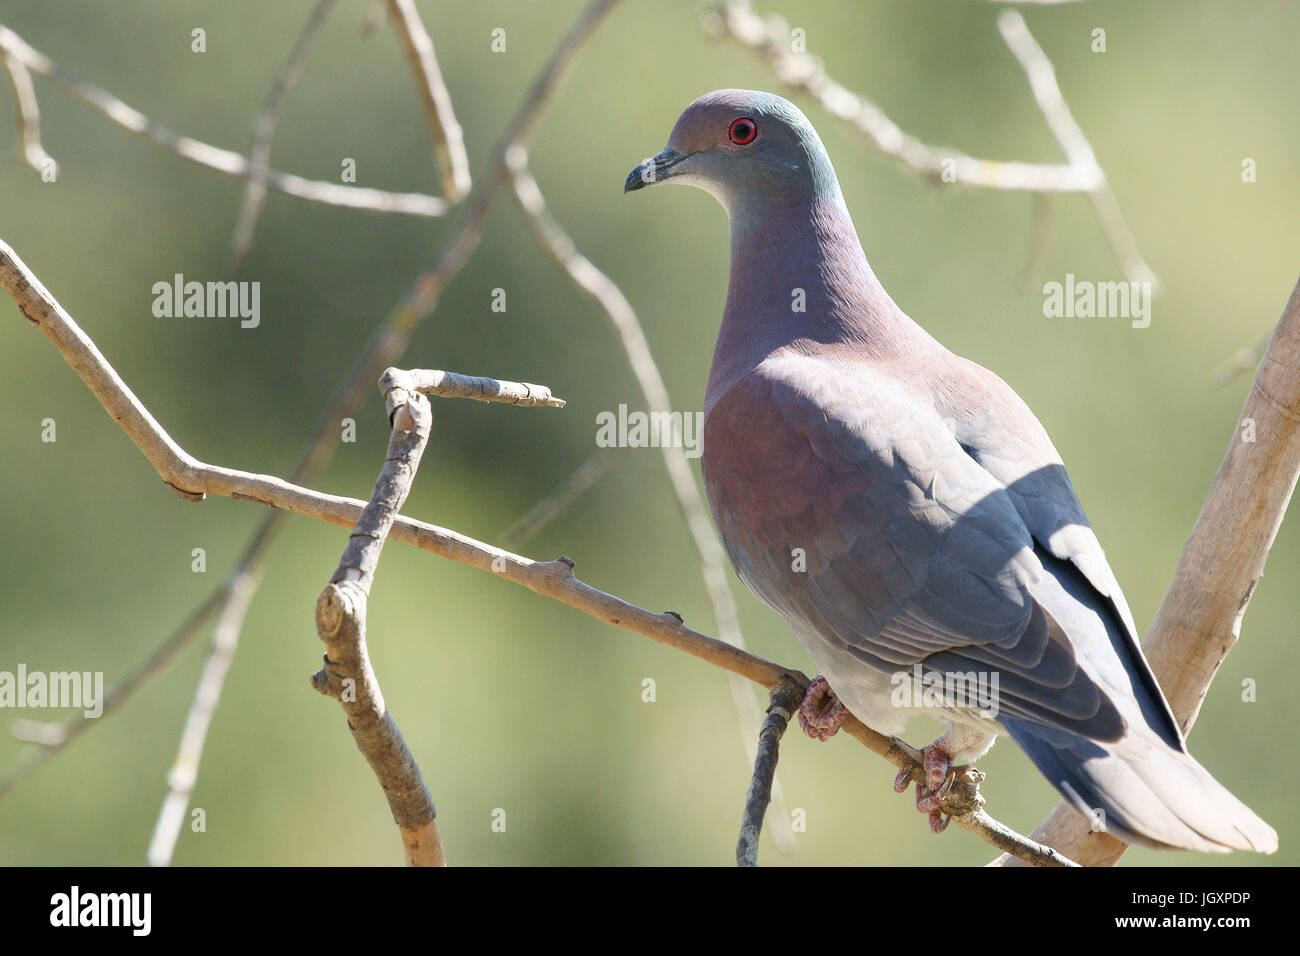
{"points": [[1147, 792]]}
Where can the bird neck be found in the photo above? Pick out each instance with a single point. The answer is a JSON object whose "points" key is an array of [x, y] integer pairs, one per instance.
{"points": [[800, 282]]}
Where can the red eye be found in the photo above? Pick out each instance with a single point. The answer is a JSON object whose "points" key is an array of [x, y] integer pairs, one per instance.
{"points": [[742, 131]]}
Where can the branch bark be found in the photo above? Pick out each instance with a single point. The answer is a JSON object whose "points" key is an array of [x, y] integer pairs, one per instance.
{"points": [[785, 699], [1199, 619], [348, 675], [389, 341]]}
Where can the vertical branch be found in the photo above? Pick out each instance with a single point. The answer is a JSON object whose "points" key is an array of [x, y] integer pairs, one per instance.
{"points": [[28, 114], [1199, 619], [341, 623], [185, 771], [786, 696]]}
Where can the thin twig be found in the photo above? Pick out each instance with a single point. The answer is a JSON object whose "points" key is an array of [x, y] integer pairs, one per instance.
{"points": [[185, 771], [770, 39], [50, 738], [53, 737], [549, 508], [194, 479], [785, 698], [391, 339], [605, 292], [221, 160], [28, 115], [478, 387], [348, 675], [264, 131], [1039, 239], [1244, 360], [448, 141], [1042, 83]]}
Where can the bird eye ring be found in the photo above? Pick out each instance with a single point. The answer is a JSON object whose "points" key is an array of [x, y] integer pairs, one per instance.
{"points": [[742, 131]]}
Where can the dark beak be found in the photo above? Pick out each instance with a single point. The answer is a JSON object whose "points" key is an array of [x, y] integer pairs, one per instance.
{"points": [[653, 170]]}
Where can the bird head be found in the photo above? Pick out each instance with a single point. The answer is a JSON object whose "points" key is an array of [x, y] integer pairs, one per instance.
{"points": [[742, 145]]}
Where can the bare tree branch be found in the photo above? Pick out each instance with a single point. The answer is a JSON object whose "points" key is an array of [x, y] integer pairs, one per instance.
{"points": [[213, 157], [53, 737], [194, 479], [448, 142], [185, 771], [477, 387], [1199, 619], [1042, 83], [545, 511], [785, 698], [264, 131], [1245, 359], [770, 39], [28, 114], [388, 342], [348, 675]]}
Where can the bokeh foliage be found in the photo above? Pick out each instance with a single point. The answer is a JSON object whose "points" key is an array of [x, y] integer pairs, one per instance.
{"points": [[509, 700]]}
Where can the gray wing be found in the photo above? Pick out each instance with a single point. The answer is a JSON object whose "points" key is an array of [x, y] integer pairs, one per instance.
{"points": [[915, 553]]}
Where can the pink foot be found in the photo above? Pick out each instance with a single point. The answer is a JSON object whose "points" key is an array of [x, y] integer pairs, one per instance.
{"points": [[937, 763], [821, 712]]}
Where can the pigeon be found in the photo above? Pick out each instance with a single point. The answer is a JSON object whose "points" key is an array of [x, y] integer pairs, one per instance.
{"points": [[906, 513]]}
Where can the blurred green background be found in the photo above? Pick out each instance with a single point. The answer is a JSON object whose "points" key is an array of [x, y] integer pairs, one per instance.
{"points": [[509, 700]]}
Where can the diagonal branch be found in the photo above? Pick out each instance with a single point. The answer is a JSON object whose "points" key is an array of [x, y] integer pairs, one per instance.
{"points": [[1042, 83], [194, 479], [221, 160], [785, 698], [770, 39], [264, 131], [185, 771], [545, 511], [1199, 619], [390, 340], [448, 141]]}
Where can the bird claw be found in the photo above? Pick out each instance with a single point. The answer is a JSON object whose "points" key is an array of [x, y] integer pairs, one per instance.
{"points": [[821, 713], [940, 775]]}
